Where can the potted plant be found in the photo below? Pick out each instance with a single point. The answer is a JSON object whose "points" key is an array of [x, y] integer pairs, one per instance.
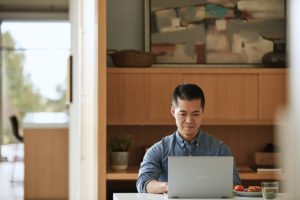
{"points": [[119, 145]]}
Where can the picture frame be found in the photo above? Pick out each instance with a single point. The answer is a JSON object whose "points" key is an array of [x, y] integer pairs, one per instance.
{"points": [[216, 33]]}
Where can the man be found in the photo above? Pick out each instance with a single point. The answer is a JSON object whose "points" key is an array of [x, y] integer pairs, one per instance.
{"points": [[187, 108]]}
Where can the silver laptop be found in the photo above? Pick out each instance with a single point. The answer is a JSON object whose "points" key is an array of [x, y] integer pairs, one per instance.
{"points": [[200, 176]]}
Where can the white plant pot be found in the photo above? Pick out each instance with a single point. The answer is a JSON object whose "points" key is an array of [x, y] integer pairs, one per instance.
{"points": [[119, 160]]}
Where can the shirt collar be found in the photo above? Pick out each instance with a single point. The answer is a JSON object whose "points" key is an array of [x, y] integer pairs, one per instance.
{"points": [[182, 142]]}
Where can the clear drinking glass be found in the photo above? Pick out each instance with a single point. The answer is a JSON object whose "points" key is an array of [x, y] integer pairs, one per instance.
{"points": [[269, 190]]}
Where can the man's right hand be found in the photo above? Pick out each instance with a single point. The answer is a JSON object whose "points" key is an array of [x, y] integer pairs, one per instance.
{"points": [[156, 187]]}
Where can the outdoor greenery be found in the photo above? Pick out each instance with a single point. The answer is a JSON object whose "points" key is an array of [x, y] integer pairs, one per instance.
{"points": [[20, 92], [19, 95], [121, 143]]}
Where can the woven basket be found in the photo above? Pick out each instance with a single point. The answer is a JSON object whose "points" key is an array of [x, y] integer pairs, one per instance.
{"points": [[266, 159], [131, 58]]}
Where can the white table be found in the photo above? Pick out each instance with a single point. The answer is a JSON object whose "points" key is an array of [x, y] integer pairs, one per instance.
{"points": [[145, 196]]}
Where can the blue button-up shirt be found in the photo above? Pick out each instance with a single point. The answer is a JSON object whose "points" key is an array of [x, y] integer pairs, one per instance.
{"points": [[155, 163]]}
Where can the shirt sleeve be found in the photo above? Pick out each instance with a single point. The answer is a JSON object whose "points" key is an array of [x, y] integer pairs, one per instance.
{"points": [[150, 168], [225, 151]]}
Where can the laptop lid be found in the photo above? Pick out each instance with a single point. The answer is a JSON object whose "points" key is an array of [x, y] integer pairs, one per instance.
{"points": [[200, 176]]}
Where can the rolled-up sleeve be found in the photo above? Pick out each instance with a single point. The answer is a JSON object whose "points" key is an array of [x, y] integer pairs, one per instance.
{"points": [[225, 151], [151, 167], [236, 177]]}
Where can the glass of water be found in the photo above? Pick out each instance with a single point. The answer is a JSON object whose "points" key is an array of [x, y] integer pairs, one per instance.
{"points": [[269, 190]]}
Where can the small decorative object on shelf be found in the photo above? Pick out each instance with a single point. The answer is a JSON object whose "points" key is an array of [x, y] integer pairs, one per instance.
{"points": [[277, 57], [119, 145], [131, 58]]}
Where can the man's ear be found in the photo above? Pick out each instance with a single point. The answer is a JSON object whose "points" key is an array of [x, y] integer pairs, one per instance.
{"points": [[173, 111]]}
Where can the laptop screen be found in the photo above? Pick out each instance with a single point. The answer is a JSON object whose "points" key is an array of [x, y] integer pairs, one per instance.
{"points": [[200, 176]]}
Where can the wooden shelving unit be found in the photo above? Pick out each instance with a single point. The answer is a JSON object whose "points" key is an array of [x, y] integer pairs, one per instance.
{"points": [[240, 110]]}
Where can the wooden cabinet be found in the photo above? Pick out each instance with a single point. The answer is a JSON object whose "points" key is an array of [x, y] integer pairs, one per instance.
{"points": [[140, 98], [272, 94], [233, 96], [228, 96], [46, 163]]}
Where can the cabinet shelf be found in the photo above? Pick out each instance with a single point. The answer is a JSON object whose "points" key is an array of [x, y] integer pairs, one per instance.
{"points": [[205, 122], [131, 174], [202, 70], [261, 175]]}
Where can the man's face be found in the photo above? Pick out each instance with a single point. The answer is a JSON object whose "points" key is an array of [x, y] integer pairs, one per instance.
{"points": [[188, 116]]}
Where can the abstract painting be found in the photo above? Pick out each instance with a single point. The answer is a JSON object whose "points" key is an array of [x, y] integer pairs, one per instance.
{"points": [[215, 31]]}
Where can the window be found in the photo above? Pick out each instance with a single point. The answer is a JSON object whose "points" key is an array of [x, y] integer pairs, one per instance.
{"points": [[34, 69]]}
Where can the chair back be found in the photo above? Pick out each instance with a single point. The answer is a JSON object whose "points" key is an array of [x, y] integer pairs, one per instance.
{"points": [[15, 127]]}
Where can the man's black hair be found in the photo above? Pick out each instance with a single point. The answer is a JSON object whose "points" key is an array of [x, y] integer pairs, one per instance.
{"points": [[188, 92]]}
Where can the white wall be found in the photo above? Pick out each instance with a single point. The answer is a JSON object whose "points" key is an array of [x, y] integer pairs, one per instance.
{"points": [[83, 132], [89, 100], [289, 126], [294, 50], [125, 25], [75, 109]]}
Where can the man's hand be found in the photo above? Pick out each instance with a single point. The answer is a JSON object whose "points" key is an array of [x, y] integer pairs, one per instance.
{"points": [[156, 187]]}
